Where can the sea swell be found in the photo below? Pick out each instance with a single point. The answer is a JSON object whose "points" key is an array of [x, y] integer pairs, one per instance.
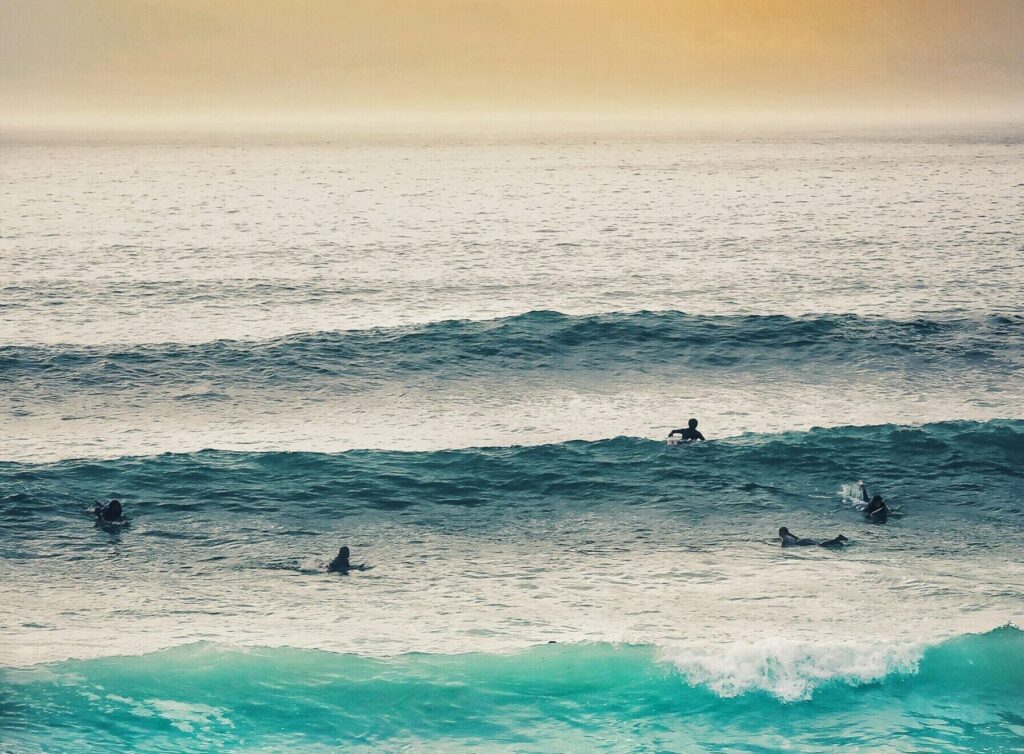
{"points": [[751, 471], [534, 343], [554, 697]]}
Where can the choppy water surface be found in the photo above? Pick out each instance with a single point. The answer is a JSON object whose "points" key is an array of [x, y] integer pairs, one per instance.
{"points": [[461, 359]]}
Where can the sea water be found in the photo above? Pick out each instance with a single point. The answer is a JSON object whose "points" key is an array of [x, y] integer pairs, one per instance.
{"points": [[461, 357]]}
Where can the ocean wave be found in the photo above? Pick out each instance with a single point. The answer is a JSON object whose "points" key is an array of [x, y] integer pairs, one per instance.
{"points": [[535, 342], [790, 469], [203, 696], [791, 670]]}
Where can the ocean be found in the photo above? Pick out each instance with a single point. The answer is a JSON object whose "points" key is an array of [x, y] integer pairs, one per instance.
{"points": [[461, 357]]}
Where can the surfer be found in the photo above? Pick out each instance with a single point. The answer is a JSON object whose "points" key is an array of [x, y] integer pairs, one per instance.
{"points": [[791, 540], [690, 434], [876, 509], [341, 565], [109, 513]]}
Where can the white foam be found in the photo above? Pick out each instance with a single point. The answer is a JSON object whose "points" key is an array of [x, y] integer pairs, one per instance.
{"points": [[187, 717], [850, 494], [790, 670]]}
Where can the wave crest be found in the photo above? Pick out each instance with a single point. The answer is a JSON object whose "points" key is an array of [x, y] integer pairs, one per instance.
{"points": [[791, 467], [555, 697], [532, 342], [791, 670]]}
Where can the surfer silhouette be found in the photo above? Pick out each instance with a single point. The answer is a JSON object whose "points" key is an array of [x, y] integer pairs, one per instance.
{"points": [[876, 508], [341, 563], [109, 513], [791, 540], [690, 434]]}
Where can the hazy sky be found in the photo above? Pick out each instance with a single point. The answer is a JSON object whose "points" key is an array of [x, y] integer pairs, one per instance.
{"points": [[164, 59]]}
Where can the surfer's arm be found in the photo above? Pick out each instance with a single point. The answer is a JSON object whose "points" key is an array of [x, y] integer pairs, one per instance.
{"points": [[864, 492], [700, 436]]}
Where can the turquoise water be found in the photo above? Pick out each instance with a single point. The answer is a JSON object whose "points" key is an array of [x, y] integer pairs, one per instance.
{"points": [[961, 695], [461, 359]]}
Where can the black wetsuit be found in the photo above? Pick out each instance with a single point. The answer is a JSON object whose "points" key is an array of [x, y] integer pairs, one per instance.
{"points": [[339, 565], [687, 435], [107, 514], [791, 540], [876, 508]]}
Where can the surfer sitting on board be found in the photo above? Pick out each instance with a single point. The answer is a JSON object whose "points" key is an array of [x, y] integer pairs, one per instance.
{"points": [[690, 434], [791, 540], [341, 565]]}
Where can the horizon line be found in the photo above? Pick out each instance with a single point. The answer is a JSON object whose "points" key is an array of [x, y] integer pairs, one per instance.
{"points": [[398, 123]]}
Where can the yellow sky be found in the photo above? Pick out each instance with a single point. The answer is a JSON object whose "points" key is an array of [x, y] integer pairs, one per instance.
{"points": [[340, 58]]}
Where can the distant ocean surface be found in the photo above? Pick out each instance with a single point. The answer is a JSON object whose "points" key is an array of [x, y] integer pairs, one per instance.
{"points": [[461, 358]]}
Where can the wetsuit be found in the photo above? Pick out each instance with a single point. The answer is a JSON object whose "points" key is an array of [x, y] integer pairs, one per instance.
{"points": [[687, 434], [791, 540], [339, 565], [108, 514], [876, 508]]}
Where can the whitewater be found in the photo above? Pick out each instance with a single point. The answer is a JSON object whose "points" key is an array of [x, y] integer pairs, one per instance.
{"points": [[461, 357]]}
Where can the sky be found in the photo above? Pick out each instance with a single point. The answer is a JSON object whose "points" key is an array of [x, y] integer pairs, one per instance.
{"points": [[292, 61]]}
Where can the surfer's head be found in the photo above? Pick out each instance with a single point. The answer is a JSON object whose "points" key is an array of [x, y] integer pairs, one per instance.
{"points": [[784, 532], [343, 553], [877, 500], [114, 509], [692, 423]]}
